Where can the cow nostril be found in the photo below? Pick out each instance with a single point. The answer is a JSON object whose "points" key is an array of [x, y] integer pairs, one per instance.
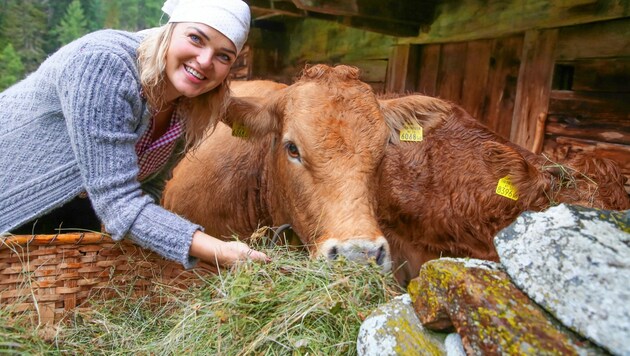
{"points": [[378, 255], [333, 253]]}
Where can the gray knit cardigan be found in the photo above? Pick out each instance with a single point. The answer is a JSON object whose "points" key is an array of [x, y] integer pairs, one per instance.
{"points": [[71, 127]]}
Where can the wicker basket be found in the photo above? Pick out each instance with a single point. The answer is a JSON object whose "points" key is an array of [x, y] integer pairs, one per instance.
{"points": [[47, 276]]}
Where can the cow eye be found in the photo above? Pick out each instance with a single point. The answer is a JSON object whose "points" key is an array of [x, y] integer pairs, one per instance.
{"points": [[292, 150]]}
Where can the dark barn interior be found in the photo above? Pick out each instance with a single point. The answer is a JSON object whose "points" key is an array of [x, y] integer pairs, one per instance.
{"points": [[553, 77]]}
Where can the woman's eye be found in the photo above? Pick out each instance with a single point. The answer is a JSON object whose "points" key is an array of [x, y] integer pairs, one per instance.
{"points": [[293, 150], [224, 58], [195, 38]]}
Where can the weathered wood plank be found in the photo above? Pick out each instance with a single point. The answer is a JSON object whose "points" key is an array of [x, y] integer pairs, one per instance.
{"points": [[429, 65], [397, 69], [391, 10], [612, 133], [478, 63], [451, 71], [603, 75], [502, 80], [591, 106], [606, 39], [534, 85], [478, 19]]}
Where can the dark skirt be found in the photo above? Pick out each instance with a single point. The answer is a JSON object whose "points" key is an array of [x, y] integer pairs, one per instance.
{"points": [[76, 215]]}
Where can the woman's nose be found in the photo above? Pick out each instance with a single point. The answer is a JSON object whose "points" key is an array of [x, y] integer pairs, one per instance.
{"points": [[205, 58]]}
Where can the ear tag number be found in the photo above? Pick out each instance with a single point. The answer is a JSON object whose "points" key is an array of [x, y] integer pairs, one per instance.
{"points": [[411, 133], [239, 130], [506, 189]]}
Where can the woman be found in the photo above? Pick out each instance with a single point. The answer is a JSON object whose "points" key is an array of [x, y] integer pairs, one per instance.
{"points": [[108, 116]]}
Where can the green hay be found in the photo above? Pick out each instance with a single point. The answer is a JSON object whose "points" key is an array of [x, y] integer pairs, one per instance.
{"points": [[17, 337], [290, 306]]}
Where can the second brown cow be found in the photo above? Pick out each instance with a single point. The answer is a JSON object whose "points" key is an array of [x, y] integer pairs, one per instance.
{"points": [[325, 155]]}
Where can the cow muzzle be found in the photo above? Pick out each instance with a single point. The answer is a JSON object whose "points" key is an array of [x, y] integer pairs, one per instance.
{"points": [[361, 250]]}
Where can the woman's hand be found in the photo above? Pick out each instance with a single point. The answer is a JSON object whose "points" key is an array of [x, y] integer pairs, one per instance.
{"points": [[222, 253]]}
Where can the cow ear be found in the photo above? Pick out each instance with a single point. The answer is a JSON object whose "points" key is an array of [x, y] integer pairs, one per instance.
{"points": [[252, 116], [414, 110], [504, 160]]}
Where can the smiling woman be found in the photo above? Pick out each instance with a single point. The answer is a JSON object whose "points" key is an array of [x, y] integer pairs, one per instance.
{"points": [[102, 121]]}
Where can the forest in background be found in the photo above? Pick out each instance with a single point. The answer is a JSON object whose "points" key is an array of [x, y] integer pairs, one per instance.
{"points": [[31, 30]]}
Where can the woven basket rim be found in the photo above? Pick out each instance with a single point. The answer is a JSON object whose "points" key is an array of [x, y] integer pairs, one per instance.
{"points": [[77, 238]]}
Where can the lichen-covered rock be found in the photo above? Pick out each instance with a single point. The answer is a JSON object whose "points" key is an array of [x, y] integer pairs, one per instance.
{"points": [[575, 263], [394, 329], [491, 315]]}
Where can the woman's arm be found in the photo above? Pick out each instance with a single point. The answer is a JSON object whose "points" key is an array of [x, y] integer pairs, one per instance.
{"points": [[101, 103]]}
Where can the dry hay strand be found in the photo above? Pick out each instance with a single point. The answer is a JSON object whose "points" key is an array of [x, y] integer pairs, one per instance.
{"points": [[565, 177]]}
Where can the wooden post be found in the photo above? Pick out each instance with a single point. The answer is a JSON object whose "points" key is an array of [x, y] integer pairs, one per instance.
{"points": [[534, 85], [397, 69]]}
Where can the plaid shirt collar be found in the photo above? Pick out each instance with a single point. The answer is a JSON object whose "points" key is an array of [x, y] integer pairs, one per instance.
{"points": [[152, 155]]}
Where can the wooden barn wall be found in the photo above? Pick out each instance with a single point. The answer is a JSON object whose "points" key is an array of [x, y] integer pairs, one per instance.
{"points": [[282, 55], [558, 91], [480, 75], [589, 100]]}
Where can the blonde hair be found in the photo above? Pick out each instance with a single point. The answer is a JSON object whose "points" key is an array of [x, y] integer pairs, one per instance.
{"points": [[201, 113]]}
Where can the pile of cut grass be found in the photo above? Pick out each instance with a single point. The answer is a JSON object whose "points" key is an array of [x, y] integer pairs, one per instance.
{"points": [[292, 305], [18, 337]]}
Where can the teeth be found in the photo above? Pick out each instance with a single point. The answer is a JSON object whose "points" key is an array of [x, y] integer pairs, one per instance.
{"points": [[195, 73]]}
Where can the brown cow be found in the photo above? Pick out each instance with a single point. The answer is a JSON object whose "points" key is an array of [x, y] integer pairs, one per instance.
{"points": [[324, 155], [439, 197]]}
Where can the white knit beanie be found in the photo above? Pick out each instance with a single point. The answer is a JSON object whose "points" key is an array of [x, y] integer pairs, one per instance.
{"points": [[230, 17]]}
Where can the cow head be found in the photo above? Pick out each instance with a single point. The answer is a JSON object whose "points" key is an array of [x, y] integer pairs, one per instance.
{"points": [[328, 134]]}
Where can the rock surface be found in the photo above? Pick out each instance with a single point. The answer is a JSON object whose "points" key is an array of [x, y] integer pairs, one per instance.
{"points": [[575, 263], [394, 329], [491, 315]]}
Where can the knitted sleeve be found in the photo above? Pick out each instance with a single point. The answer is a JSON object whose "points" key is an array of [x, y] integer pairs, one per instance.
{"points": [[100, 98]]}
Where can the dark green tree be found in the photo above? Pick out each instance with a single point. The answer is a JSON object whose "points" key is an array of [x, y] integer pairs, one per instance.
{"points": [[55, 11], [94, 14], [11, 67], [25, 25], [73, 25], [130, 14], [112, 15], [153, 13]]}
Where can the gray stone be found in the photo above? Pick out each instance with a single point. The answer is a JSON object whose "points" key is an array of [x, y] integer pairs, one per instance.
{"points": [[394, 329], [575, 263]]}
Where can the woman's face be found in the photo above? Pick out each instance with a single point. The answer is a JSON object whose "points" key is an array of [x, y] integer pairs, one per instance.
{"points": [[198, 60]]}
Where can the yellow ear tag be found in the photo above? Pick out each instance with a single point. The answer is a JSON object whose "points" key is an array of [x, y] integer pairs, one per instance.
{"points": [[239, 130], [506, 189], [411, 133]]}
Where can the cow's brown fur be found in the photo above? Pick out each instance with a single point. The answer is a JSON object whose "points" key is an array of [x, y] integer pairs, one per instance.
{"points": [[356, 182], [437, 198]]}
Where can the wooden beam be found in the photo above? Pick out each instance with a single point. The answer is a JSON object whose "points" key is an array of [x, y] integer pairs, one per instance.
{"points": [[387, 27], [465, 20], [429, 66], [534, 85], [412, 12], [581, 42], [397, 69]]}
